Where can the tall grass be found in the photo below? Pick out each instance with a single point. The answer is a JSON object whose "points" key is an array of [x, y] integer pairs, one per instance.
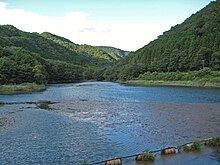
{"points": [[21, 88]]}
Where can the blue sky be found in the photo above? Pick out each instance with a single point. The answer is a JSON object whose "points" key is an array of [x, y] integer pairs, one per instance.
{"points": [[126, 24]]}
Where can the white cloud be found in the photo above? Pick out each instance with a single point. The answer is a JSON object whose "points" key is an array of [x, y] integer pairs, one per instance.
{"points": [[79, 28]]}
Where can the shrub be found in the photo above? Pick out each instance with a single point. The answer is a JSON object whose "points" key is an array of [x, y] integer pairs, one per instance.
{"points": [[203, 72], [213, 142], [186, 148], [147, 156], [196, 145]]}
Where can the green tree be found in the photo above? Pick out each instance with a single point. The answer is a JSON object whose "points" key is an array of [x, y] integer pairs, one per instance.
{"points": [[8, 70], [39, 74], [203, 58], [215, 61]]}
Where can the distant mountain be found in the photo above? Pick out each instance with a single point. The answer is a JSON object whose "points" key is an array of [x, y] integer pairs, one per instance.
{"points": [[192, 45], [85, 50], [114, 52], [59, 49], [42, 58]]}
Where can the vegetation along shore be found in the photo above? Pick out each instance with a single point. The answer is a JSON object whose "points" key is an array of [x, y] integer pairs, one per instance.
{"points": [[202, 78], [186, 55], [21, 88]]}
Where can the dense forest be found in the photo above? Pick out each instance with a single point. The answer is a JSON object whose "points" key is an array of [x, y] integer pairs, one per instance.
{"points": [[114, 52], [190, 46], [83, 50], [46, 58]]}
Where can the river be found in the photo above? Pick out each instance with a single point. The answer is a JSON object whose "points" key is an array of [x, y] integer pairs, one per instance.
{"points": [[94, 121]]}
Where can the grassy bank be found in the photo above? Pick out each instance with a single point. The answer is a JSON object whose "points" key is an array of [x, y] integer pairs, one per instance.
{"points": [[21, 88], [201, 78], [173, 83]]}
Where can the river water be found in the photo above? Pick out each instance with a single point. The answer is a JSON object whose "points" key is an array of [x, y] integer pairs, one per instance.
{"points": [[95, 121]]}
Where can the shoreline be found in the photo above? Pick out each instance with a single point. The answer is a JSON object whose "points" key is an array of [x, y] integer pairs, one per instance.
{"points": [[33, 87], [21, 88], [172, 83]]}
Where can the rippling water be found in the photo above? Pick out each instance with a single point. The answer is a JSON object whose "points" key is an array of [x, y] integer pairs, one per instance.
{"points": [[99, 120]]}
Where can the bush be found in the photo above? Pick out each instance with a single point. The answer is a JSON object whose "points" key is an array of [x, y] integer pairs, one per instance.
{"points": [[147, 156], [215, 80], [213, 142], [203, 72], [186, 148], [202, 75], [194, 147]]}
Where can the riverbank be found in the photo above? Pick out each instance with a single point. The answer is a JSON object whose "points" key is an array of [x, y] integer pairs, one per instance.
{"points": [[173, 83], [21, 88], [201, 78]]}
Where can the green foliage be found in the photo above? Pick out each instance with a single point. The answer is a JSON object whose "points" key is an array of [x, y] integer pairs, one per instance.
{"points": [[215, 61], [147, 156], [21, 88], [97, 54], [186, 148], [196, 145], [53, 47], [8, 69], [192, 45], [42, 58], [114, 52], [39, 74], [19, 65], [205, 75], [213, 142]]}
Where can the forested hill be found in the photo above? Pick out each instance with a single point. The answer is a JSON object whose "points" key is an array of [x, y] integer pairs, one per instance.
{"points": [[85, 50], [192, 45], [53, 47], [114, 52], [35, 43], [42, 58]]}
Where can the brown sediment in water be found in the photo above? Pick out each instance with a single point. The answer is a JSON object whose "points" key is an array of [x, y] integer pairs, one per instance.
{"points": [[5, 122], [176, 122], [158, 123]]}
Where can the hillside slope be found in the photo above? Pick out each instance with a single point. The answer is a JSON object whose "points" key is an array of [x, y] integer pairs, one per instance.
{"points": [[42, 58], [114, 52], [46, 48], [84, 50], [192, 45], [29, 57]]}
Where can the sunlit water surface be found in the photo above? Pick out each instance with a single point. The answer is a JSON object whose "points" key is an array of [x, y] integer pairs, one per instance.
{"points": [[95, 121]]}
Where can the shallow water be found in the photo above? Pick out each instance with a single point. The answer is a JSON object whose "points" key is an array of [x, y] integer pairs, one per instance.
{"points": [[99, 120]]}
